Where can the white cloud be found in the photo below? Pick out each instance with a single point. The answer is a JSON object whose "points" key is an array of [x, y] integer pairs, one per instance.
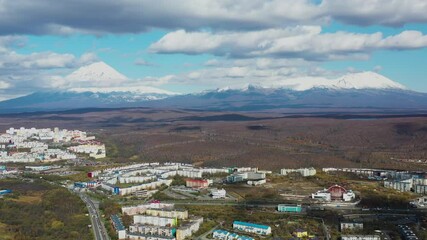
{"points": [[376, 12], [135, 16], [4, 85], [306, 42], [142, 62], [26, 73]]}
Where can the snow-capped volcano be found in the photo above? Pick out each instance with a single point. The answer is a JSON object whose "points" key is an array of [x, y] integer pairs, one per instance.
{"points": [[101, 78], [355, 90], [361, 80], [366, 80], [96, 74], [134, 89]]}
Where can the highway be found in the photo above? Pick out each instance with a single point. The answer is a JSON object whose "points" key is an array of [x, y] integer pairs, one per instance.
{"points": [[97, 225]]}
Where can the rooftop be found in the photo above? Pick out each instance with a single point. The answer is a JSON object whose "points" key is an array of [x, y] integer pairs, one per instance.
{"points": [[251, 225]]}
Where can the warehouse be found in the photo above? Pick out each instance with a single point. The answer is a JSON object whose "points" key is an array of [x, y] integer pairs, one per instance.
{"points": [[252, 228]]}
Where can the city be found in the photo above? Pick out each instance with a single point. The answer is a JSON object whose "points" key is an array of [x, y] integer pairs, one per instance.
{"points": [[213, 120], [179, 200]]}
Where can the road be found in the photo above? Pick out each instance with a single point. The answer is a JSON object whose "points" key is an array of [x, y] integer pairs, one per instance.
{"points": [[97, 225]]}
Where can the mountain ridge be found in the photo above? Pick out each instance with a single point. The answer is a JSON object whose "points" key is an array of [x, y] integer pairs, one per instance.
{"points": [[354, 90]]}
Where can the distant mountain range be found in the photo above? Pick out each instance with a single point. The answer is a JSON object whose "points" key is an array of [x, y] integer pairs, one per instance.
{"points": [[358, 90]]}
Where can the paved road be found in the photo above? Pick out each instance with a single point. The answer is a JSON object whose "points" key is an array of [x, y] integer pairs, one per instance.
{"points": [[97, 225]]}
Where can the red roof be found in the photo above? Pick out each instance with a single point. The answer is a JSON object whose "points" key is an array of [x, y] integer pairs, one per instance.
{"points": [[196, 180]]}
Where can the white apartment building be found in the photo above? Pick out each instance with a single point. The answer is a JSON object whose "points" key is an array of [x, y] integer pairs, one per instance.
{"points": [[305, 172], [218, 193]]}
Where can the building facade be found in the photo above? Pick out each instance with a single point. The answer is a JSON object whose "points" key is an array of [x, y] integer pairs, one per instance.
{"points": [[252, 228]]}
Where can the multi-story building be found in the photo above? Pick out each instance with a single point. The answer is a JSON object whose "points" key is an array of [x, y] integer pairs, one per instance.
{"points": [[360, 237], [351, 226], [420, 189], [305, 172], [218, 193], [156, 221], [400, 185], [175, 213]]}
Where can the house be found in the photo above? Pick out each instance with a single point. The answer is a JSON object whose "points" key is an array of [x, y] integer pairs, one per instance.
{"points": [[300, 233]]}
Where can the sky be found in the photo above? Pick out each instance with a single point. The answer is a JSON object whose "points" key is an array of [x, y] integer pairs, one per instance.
{"points": [[188, 46]]}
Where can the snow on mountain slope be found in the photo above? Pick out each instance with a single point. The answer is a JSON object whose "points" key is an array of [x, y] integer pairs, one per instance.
{"points": [[362, 80], [96, 74], [101, 78], [366, 80], [135, 89]]}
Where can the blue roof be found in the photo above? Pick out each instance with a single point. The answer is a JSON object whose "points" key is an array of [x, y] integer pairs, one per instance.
{"points": [[221, 231], [251, 225], [2, 192], [244, 238], [117, 222]]}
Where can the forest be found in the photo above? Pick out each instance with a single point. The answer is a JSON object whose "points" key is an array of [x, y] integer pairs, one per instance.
{"points": [[37, 210]]}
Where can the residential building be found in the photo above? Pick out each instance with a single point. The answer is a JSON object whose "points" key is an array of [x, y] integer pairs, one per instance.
{"points": [[400, 185], [189, 228], [118, 226], [420, 189], [218, 193], [225, 235], [407, 233], [176, 213], [351, 226], [305, 172], [252, 228], [198, 183], [360, 237], [153, 220]]}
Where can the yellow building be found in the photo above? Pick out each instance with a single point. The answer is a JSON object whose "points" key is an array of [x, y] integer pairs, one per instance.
{"points": [[299, 233]]}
